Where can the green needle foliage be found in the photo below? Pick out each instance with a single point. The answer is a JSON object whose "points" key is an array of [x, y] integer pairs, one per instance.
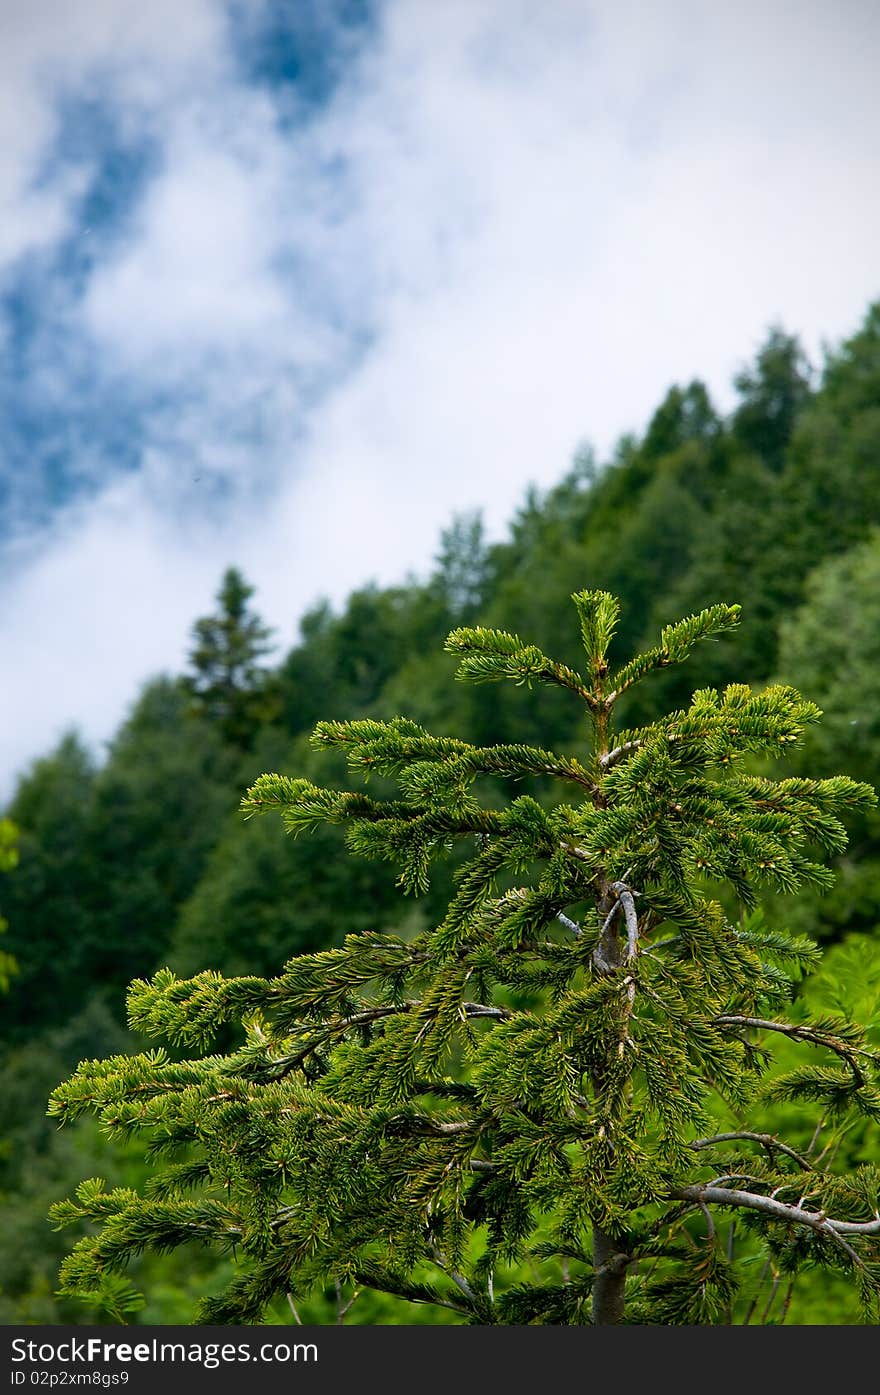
{"points": [[549, 1107]]}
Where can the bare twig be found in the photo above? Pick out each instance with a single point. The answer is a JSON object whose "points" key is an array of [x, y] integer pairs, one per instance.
{"points": [[459, 1280], [801, 1032], [786, 1302], [778, 1210], [609, 918], [342, 1308], [612, 757], [663, 944], [817, 1130], [571, 925], [765, 1270], [767, 1140], [774, 1289], [625, 896]]}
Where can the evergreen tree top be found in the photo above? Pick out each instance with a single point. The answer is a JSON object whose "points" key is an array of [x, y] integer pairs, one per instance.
{"points": [[540, 1108], [227, 683]]}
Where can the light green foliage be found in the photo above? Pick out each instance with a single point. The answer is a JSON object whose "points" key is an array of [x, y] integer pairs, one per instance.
{"points": [[534, 1109]]}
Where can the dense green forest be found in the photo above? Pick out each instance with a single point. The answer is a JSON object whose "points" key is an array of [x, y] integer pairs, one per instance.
{"points": [[141, 858]]}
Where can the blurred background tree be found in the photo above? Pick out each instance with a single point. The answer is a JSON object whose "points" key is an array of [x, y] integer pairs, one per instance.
{"points": [[230, 688]]}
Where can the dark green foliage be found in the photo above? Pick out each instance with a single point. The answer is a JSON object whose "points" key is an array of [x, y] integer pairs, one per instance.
{"points": [[158, 804], [227, 683], [46, 901], [832, 646], [263, 896], [559, 1072], [773, 393], [686, 416], [463, 566], [106, 856], [354, 655]]}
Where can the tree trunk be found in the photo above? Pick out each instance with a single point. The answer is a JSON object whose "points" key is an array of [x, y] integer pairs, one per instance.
{"points": [[609, 1264], [609, 1283]]}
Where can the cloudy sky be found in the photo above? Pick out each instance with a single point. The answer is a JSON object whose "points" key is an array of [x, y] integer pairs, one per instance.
{"points": [[286, 283]]}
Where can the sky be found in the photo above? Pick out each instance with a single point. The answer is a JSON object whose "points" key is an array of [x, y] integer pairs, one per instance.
{"points": [[287, 285]]}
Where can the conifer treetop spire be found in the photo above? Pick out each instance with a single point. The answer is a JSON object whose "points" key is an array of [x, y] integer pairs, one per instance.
{"points": [[540, 1108]]}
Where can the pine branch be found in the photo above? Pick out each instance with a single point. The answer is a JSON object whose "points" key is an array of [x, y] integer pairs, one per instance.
{"points": [[676, 642], [848, 1051], [492, 655], [598, 612]]}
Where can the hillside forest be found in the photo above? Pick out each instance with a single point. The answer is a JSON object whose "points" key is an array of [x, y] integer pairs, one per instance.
{"points": [[116, 863]]}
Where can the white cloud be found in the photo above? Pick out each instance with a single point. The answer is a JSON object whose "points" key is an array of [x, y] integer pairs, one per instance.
{"points": [[50, 48], [106, 607], [511, 228], [205, 267]]}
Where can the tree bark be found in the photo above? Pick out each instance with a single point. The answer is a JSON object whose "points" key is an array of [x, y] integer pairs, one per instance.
{"points": [[609, 1282], [609, 1263]]}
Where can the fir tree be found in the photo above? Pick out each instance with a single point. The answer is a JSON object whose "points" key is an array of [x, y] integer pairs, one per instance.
{"points": [[227, 684], [551, 1106]]}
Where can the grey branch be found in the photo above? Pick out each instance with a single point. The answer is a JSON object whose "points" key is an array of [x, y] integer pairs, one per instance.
{"points": [[575, 851], [571, 925], [459, 1280], [778, 1210], [625, 897], [612, 757], [454, 1126], [801, 1032], [483, 1010], [768, 1140]]}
